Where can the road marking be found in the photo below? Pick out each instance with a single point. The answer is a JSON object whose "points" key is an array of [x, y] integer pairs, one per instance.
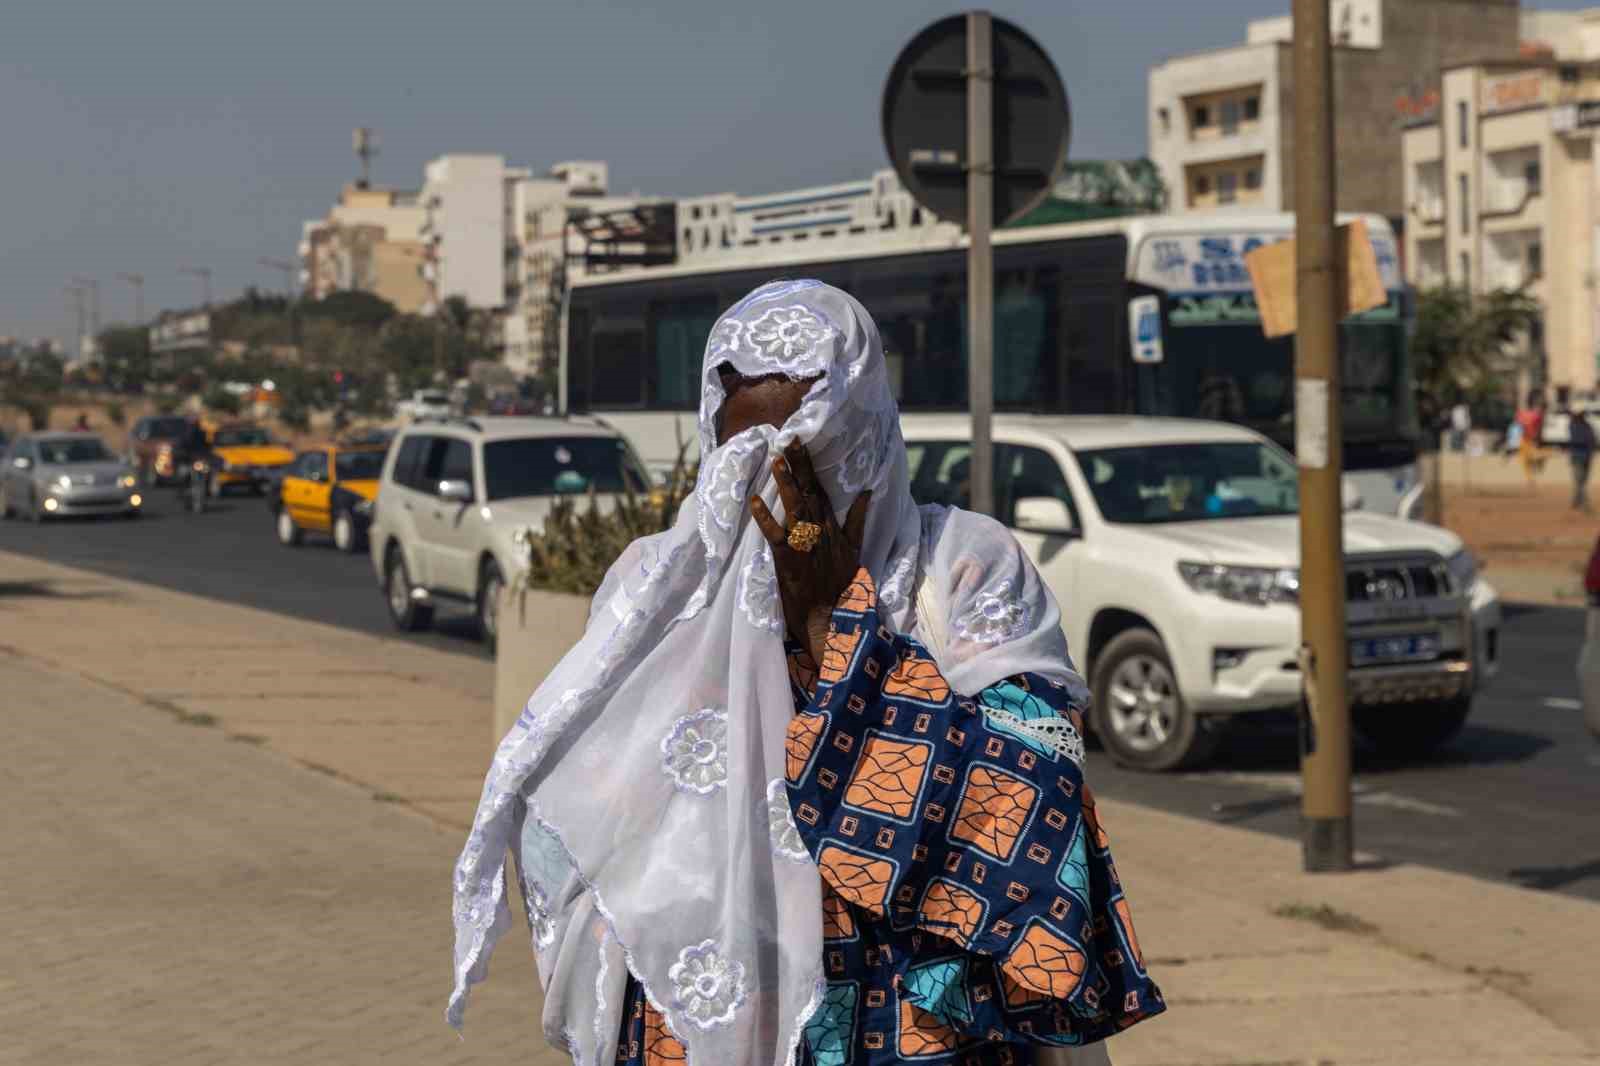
{"points": [[1290, 784], [1561, 703]]}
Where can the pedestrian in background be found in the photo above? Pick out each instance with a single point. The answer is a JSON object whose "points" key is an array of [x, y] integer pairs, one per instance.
{"points": [[1531, 421], [82, 425], [1580, 444], [1460, 426]]}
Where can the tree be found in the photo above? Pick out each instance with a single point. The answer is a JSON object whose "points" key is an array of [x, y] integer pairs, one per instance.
{"points": [[1459, 346], [125, 352], [360, 310]]}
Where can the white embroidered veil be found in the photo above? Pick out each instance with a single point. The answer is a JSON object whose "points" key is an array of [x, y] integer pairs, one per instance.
{"points": [[642, 788]]}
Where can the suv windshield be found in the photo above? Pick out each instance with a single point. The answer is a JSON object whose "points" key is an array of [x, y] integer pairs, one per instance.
{"points": [[1191, 482], [227, 438], [358, 466], [548, 466], [72, 450], [167, 428]]}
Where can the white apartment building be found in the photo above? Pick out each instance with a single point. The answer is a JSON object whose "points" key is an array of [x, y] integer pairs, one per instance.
{"points": [[465, 229], [1221, 122], [1503, 192]]}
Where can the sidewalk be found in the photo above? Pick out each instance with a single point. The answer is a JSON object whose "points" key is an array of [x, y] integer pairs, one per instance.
{"points": [[175, 838], [176, 897]]}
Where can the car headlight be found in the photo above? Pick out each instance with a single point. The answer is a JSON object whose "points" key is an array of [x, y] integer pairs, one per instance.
{"points": [[363, 508], [1463, 570], [63, 482], [126, 481], [1259, 585]]}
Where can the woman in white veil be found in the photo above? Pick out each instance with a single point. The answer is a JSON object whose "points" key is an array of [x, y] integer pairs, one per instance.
{"points": [[809, 788]]}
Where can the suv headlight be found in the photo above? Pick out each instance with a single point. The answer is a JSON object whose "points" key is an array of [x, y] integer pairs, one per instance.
{"points": [[363, 508], [1463, 570], [126, 481], [1258, 585], [64, 481]]}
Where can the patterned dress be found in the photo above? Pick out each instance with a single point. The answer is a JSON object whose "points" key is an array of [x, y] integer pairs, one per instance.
{"points": [[971, 910]]}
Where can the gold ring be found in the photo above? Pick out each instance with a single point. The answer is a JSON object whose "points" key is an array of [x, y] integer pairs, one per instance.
{"points": [[803, 536]]}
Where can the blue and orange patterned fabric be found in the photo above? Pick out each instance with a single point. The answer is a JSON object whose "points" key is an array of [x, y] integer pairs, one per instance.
{"points": [[971, 909]]}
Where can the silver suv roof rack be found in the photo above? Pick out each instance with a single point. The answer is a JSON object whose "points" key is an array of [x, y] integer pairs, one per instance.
{"points": [[450, 420]]}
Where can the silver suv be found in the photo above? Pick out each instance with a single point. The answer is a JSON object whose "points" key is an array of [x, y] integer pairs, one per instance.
{"points": [[454, 491]]}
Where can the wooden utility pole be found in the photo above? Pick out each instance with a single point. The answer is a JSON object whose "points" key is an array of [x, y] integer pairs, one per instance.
{"points": [[1325, 750]]}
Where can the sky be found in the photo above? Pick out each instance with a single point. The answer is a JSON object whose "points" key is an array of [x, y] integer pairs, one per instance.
{"points": [[156, 135]]}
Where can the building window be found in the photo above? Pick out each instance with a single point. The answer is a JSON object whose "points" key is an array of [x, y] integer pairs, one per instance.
{"points": [[1166, 120], [1535, 259], [1461, 122], [1229, 116], [1201, 117], [1252, 108], [1252, 178], [1532, 177], [1202, 185], [1227, 187], [1466, 207], [1466, 269]]}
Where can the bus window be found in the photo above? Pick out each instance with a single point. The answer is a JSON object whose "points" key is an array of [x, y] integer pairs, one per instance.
{"points": [[680, 327]]}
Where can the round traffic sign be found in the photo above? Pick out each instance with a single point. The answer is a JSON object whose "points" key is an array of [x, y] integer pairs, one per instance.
{"points": [[925, 120]]}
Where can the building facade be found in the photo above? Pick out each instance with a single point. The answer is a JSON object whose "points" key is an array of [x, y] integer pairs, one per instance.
{"points": [[1502, 192], [1221, 125], [371, 241]]}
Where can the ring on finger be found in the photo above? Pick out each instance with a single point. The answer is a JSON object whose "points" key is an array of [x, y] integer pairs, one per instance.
{"points": [[803, 536]]}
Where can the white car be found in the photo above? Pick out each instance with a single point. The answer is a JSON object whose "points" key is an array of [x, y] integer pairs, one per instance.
{"points": [[1173, 548], [454, 492], [425, 403]]}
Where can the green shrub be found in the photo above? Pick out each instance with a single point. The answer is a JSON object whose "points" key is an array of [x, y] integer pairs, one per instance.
{"points": [[579, 543], [296, 416], [221, 400]]}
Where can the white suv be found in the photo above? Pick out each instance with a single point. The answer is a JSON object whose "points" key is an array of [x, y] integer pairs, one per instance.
{"points": [[1173, 548], [454, 491]]}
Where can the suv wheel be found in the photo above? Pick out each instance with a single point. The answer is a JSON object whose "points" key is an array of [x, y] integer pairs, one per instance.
{"points": [[1412, 729], [344, 532], [406, 613], [289, 534], [1138, 712], [490, 585]]}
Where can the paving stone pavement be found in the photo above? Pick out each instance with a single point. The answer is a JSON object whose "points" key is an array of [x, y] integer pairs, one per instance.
{"points": [[172, 896]]}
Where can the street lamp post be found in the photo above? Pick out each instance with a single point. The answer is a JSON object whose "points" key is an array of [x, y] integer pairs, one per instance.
{"points": [[204, 274], [137, 281], [289, 289]]}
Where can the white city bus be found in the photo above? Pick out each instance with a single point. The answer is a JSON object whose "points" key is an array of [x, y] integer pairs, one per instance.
{"points": [[1148, 315]]}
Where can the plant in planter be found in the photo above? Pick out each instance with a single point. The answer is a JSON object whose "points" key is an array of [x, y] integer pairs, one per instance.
{"points": [[578, 544]]}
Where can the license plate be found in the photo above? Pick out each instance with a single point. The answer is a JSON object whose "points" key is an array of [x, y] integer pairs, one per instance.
{"points": [[1401, 648]]}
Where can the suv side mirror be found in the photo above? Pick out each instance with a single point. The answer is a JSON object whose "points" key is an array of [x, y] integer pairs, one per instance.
{"points": [[456, 491], [1045, 514]]}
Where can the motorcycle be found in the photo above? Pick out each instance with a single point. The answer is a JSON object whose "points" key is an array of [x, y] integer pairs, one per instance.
{"points": [[194, 488]]}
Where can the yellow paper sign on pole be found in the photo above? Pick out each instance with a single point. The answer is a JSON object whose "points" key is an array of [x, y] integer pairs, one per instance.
{"points": [[1272, 273]]}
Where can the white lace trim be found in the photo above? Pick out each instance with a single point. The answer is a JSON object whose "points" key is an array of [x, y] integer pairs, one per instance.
{"points": [[1054, 732]]}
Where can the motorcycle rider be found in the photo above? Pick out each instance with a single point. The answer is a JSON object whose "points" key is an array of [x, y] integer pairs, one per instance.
{"points": [[194, 446]]}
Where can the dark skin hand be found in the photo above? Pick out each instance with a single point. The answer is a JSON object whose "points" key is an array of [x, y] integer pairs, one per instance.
{"points": [[809, 583]]}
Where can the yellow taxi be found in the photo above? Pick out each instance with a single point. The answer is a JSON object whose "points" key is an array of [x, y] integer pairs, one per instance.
{"points": [[245, 455], [329, 488]]}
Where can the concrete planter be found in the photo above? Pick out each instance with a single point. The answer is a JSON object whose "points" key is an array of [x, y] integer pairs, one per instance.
{"points": [[536, 629]]}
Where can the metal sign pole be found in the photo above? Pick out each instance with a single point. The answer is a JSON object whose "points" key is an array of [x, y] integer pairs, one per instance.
{"points": [[980, 256], [1325, 757]]}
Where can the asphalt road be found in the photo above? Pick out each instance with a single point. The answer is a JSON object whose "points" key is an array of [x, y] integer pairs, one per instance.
{"points": [[1514, 798]]}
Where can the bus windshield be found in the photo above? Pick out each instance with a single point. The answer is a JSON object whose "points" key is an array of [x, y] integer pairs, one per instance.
{"points": [[1218, 364]]}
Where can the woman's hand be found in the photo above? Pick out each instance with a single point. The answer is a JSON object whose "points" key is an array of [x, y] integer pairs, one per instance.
{"points": [[810, 582]]}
